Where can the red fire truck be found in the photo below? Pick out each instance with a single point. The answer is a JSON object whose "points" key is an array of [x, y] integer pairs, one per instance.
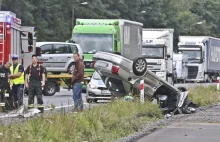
{"points": [[11, 37]]}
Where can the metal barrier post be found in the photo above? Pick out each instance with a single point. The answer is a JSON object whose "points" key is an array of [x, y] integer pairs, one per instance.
{"points": [[142, 91], [218, 83]]}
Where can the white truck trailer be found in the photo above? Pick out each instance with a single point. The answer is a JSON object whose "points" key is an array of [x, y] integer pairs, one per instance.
{"points": [[157, 49], [203, 55]]}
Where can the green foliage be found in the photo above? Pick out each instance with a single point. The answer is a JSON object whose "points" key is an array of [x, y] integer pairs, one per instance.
{"points": [[103, 124], [53, 18], [204, 96]]}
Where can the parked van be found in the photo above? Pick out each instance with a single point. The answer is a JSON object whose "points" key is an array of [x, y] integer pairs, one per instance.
{"points": [[57, 57]]}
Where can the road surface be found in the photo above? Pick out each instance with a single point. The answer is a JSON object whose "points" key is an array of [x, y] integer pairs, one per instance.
{"points": [[62, 99], [203, 126]]}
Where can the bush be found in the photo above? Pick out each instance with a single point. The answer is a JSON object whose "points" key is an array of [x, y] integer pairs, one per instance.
{"points": [[204, 96]]}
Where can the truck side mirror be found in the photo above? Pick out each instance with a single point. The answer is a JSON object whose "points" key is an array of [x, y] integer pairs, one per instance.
{"points": [[30, 48], [30, 38], [38, 51], [168, 56]]}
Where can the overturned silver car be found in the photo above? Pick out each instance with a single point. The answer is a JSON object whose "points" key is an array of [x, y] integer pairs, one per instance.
{"points": [[122, 75]]}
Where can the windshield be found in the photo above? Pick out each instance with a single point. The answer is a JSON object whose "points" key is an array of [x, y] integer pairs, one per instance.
{"points": [[192, 54], [153, 52], [96, 76], [90, 43]]}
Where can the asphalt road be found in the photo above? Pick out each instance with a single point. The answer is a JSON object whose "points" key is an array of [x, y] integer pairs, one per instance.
{"points": [[62, 99], [185, 132]]}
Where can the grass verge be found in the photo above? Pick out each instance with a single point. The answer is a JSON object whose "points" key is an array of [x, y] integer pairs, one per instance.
{"points": [[204, 96], [102, 123]]}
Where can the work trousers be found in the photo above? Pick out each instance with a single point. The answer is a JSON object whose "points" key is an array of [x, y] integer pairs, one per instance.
{"points": [[77, 96], [35, 88], [17, 93]]}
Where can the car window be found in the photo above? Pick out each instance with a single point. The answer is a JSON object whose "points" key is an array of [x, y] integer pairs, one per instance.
{"points": [[74, 49], [115, 85], [60, 49], [96, 76], [46, 49]]}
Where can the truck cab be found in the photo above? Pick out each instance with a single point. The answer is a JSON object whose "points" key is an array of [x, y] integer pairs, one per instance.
{"points": [[157, 49], [195, 49]]}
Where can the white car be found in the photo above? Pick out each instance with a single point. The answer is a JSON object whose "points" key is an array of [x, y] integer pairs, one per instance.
{"points": [[57, 57], [96, 89], [128, 73]]}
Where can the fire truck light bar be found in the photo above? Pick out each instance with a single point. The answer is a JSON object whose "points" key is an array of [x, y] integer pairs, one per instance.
{"points": [[8, 19]]}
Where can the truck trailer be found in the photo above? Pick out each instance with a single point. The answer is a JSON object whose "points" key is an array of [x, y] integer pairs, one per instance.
{"points": [[203, 55], [157, 49]]}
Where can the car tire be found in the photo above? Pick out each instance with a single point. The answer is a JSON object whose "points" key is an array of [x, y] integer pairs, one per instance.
{"points": [[89, 100], [69, 67], [49, 89], [139, 66], [83, 90]]}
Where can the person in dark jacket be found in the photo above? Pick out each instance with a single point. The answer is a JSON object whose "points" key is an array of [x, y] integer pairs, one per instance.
{"points": [[4, 75], [77, 81]]}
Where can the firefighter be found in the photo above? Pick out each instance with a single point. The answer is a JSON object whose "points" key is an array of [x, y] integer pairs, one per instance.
{"points": [[17, 81], [36, 81]]}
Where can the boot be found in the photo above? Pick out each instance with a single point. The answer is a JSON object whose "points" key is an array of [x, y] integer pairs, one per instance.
{"points": [[41, 110]]}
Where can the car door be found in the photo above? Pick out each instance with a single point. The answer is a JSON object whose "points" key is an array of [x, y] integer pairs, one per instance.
{"points": [[46, 52], [59, 55]]}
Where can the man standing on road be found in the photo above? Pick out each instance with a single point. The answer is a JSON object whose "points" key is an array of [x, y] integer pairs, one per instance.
{"points": [[17, 81], [77, 81], [36, 75]]}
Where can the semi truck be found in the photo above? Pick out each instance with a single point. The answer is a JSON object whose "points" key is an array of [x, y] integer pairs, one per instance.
{"points": [[180, 64], [157, 49], [203, 55], [109, 35]]}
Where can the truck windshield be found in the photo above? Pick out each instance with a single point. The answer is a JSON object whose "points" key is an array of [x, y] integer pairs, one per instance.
{"points": [[153, 52], [91, 43], [193, 54]]}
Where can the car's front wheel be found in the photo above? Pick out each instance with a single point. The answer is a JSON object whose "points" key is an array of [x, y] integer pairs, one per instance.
{"points": [[139, 66]]}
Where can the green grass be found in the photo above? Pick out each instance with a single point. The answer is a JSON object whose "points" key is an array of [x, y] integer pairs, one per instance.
{"points": [[204, 96], [102, 123]]}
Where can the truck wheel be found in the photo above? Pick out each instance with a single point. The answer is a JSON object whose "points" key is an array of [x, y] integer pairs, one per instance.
{"points": [[49, 89], [139, 66]]}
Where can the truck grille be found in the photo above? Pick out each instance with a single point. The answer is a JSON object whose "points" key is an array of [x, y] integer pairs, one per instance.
{"points": [[192, 72]]}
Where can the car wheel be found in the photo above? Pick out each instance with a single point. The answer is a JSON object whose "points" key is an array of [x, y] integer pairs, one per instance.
{"points": [[70, 67], [49, 89], [139, 66], [89, 100]]}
